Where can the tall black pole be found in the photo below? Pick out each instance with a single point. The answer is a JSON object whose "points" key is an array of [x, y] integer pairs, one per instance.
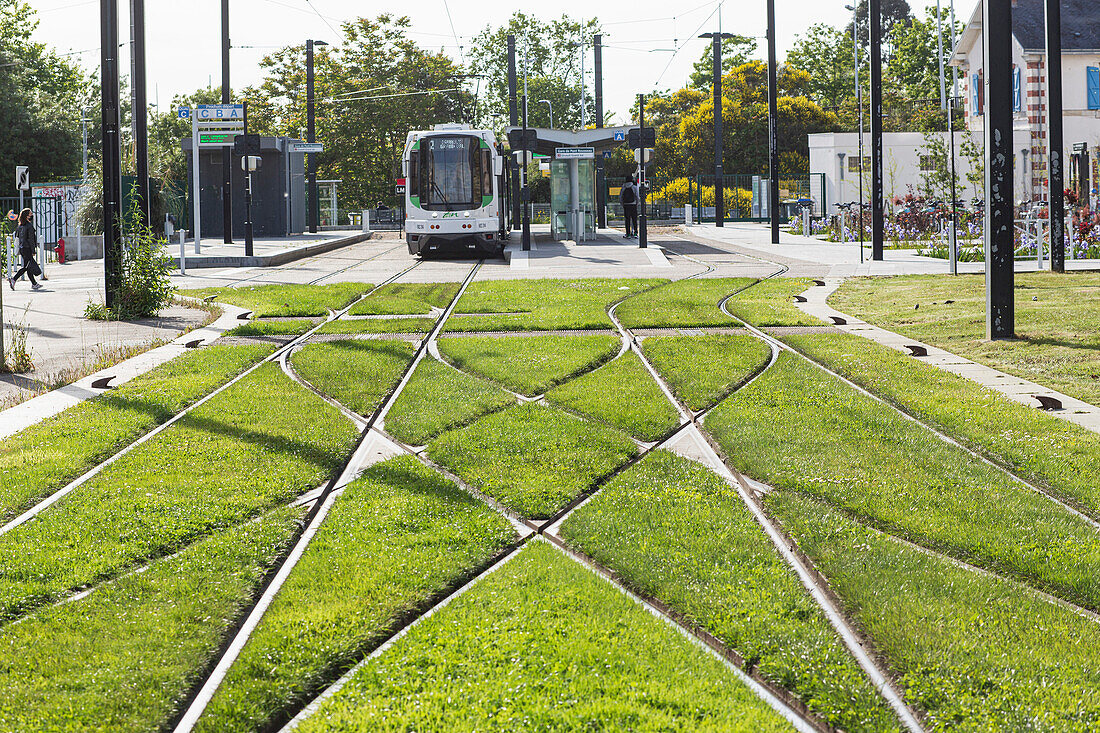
{"points": [[773, 125], [526, 235], [248, 229], [311, 133], [513, 120], [1056, 176], [112, 152], [878, 225], [601, 186], [643, 239], [999, 245], [719, 177], [140, 109], [227, 154]]}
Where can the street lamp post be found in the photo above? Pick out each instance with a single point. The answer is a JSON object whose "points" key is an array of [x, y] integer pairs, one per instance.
{"points": [[716, 70], [311, 136], [551, 106], [859, 99]]}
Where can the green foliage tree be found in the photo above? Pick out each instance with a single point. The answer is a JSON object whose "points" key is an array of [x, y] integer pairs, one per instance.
{"points": [[735, 52], [914, 64], [826, 54], [893, 13]]}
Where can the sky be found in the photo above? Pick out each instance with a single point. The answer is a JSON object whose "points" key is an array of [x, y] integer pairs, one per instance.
{"points": [[649, 49]]}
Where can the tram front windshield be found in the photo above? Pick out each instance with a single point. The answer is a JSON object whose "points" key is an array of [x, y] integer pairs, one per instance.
{"points": [[454, 173]]}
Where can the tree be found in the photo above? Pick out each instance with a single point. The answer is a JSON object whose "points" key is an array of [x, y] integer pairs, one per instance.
{"points": [[826, 54], [893, 12], [914, 63], [735, 51]]}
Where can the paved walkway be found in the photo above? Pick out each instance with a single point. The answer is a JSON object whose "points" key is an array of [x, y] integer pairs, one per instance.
{"points": [[607, 248], [1013, 387]]}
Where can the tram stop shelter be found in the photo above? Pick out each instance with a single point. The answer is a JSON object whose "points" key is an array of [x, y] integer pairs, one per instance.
{"points": [[573, 175]]}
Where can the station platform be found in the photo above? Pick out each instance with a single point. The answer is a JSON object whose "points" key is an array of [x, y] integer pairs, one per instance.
{"points": [[265, 252], [607, 248]]}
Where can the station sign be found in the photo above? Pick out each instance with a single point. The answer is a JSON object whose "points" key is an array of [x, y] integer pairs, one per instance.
{"points": [[620, 136], [228, 113], [307, 147], [575, 153], [399, 189], [22, 178], [216, 139], [183, 113]]}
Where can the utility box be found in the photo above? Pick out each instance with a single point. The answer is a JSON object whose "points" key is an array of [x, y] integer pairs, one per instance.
{"points": [[278, 190]]}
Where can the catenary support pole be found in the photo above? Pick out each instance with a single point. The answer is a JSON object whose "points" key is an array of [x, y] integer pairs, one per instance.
{"points": [[1056, 175], [601, 184], [953, 238], [526, 233], [719, 175], [856, 48], [878, 224], [140, 113], [513, 120], [999, 245], [112, 151], [314, 213], [227, 154], [773, 133], [643, 239]]}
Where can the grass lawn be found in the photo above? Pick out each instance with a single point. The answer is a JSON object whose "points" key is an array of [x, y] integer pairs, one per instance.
{"points": [[541, 305], [701, 370], [975, 653], [532, 458], [410, 298], [529, 365], [271, 328], [675, 530], [398, 536], [1054, 453], [286, 300], [682, 304], [439, 398], [623, 395], [544, 644], [263, 441], [356, 373], [799, 428], [122, 658], [771, 303], [44, 457], [1058, 334], [379, 325]]}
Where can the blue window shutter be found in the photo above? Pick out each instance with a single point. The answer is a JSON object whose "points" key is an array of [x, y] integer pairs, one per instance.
{"points": [[1017, 102], [1093, 74], [974, 95]]}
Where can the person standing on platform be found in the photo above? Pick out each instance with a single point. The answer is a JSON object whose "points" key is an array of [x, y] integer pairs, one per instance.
{"points": [[27, 239], [628, 197]]}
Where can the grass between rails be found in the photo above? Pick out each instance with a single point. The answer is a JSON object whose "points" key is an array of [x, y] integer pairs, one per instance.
{"points": [[406, 298], [544, 644], [399, 536], [261, 442], [542, 305], [529, 365], [1058, 342], [621, 394], [975, 653], [271, 328], [674, 530], [356, 373], [683, 304], [867, 459], [44, 457], [438, 398], [122, 658], [532, 458], [286, 300], [701, 370], [771, 303], [1054, 453], [379, 325]]}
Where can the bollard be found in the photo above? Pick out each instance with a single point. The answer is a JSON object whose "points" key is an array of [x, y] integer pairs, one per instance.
{"points": [[366, 221], [687, 214], [953, 248]]}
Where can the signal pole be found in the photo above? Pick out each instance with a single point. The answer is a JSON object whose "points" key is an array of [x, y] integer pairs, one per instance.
{"points": [[643, 239]]}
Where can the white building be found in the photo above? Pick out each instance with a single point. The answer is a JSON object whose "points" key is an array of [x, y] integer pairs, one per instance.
{"points": [[905, 155], [1080, 88]]}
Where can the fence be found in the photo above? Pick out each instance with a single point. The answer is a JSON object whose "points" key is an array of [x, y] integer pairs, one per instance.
{"points": [[745, 197]]}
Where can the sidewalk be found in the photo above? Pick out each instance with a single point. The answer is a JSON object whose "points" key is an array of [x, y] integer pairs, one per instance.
{"points": [[607, 248], [265, 252]]}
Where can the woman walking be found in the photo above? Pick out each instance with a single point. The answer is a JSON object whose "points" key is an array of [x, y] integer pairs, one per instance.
{"points": [[27, 240]]}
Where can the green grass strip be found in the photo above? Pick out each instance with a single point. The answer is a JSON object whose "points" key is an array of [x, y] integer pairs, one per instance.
{"points": [[438, 398], [975, 653], [261, 442], [356, 373], [799, 428], [682, 304], [124, 657], [398, 537], [286, 300], [37, 461], [623, 395], [529, 365], [700, 370], [406, 298], [771, 303], [532, 458], [674, 530], [542, 305], [1054, 453], [271, 328], [544, 644], [379, 325]]}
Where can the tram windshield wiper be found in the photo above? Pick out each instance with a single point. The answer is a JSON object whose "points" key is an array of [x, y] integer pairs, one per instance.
{"points": [[440, 192]]}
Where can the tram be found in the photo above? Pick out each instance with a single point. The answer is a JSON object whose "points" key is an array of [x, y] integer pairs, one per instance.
{"points": [[456, 190]]}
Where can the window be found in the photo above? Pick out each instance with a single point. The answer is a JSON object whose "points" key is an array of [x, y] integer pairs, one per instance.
{"points": [[853, 164], [928, 163], [452, 173], [977, 93], [1093, 80], [1017, 92]]}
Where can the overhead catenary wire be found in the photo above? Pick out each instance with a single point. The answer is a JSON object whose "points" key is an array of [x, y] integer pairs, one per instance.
{"points": [[323, 18], [398, 94], [680, 47]]}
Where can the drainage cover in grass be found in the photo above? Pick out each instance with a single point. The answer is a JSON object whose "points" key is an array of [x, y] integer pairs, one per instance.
{"points": [[438, 397], [286, 300], [397, 537], [683, 304], [529, 365], [622, 394], [533, 458], [406, 298], [677, 531], [356, 373], [544, 644], [771, 303], [701, 370]]}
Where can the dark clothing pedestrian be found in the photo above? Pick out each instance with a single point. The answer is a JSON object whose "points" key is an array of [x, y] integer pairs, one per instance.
{"points": [[628, 197], [27, 240]]}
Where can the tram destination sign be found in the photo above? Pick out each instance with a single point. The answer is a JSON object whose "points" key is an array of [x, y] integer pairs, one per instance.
{"points": [[216, 139], [575, 153]]}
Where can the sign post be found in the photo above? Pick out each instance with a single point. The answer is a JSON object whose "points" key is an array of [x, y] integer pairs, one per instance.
{"points": [[212, 126], [22, 181], [196, 224]]}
